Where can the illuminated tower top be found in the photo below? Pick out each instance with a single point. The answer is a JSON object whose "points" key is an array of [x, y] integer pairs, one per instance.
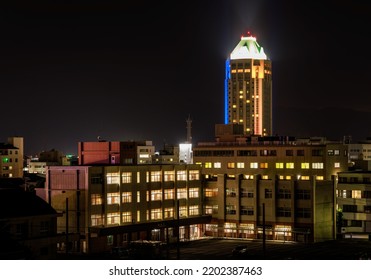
{"points": [[248, 48]]}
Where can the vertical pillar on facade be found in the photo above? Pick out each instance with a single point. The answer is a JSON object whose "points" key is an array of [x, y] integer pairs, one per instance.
{"points": [[258, 201]]}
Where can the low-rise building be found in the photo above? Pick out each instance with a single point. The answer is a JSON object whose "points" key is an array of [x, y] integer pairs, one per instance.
{"points": [[109, 206], [354, 203], [28, 226]]}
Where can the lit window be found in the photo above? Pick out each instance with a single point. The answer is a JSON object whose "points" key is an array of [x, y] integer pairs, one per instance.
{"points": [[113, 218], [126, 197], [138, 177], [126, 217], [182, 193], [194, 175], [231, 165], [193, 192], [183, 211], [305, 165], [169, 176], [217, 164], [264, 165], [289, 165], [356, 194], [113, 178], [253, 165], [208, 165], [211, 192], [337, 165], [279, 165], [319, 178], [168, 213], [156, 176], [193, 210], [156, 195], [96, 199], [96, 220], [113, 198], [126, 177], [181, 175], [168, 194], [240, 165], [317, 165], [156, 214], [304, 178]]}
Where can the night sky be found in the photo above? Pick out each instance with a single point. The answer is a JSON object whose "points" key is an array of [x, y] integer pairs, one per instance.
{"points": [[136, 70]]}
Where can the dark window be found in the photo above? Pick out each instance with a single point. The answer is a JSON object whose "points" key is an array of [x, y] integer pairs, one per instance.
{"points": [[268, 193], [366, 194], [247, 210], [317, 153], [289, 152], [355, 223], [283, 212], [284, 194], [350, 208], [303, 213], [247, 153], [300, 152], [302, 194]]}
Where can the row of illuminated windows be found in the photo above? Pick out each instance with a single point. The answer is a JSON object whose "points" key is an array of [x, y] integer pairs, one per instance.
{"points": [[250, 229], [151, 176], [117, 218], [280, 177], [265, 165], [265, 152], [154, 195], [353, 194]]}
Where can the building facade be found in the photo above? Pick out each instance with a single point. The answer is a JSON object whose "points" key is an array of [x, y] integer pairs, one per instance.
{"points": [[115, 152], [354, 204], [11, 158], [110, 206], [294, 179], [248, 88], [28, 226]]}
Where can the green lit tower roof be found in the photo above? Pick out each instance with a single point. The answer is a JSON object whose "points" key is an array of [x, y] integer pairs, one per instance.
{"points": [[248, 48]]}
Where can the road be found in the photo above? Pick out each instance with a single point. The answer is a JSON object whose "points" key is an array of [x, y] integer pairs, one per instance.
{"points": [[221, 249]]}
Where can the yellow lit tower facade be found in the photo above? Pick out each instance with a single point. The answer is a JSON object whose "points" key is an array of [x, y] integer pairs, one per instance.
{"points": [[248, 88]]}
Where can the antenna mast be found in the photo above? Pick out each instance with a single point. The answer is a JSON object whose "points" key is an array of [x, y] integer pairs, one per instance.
{"points": [[189, 127]]}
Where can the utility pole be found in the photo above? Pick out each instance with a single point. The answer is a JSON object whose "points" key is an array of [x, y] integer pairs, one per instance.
{"points": [[177, 237], [66, 225], [264, 230]]}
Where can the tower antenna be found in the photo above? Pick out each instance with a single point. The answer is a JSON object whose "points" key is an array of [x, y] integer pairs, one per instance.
{"points": [[189, 127]]}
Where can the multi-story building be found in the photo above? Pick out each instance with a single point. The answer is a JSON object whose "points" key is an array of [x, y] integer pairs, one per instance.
{"points": [[293, 178], [248, 88], [28, 225], [115, 152], [354, 203], [109, 206], [360, 150], [11, 158]]}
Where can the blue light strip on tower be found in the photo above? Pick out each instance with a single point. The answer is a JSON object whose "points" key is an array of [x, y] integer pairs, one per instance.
{"points": [[227, 77]]}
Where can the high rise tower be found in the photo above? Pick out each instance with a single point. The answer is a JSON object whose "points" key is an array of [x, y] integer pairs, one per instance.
{"points": [[248, 88]]}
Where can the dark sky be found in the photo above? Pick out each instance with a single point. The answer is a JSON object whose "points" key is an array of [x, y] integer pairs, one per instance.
{"points": [[135, 70]]}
